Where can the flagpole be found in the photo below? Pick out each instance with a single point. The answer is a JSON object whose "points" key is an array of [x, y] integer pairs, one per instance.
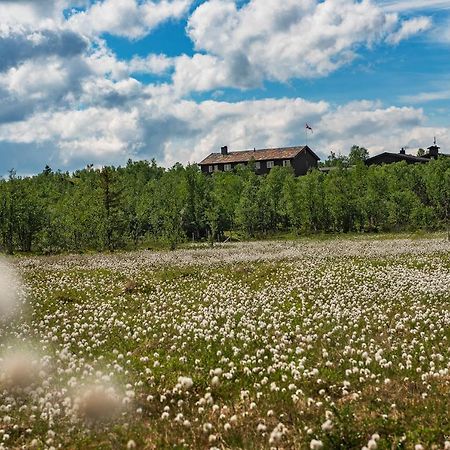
{"points": [[307, 128]]}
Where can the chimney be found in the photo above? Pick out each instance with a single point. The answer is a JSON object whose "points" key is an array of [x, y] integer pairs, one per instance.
{"points": [[433, 151], [403, 151], [224, 150]]}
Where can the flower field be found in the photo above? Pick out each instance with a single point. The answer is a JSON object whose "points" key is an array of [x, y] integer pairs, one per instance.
{"points": [[285, 345]]}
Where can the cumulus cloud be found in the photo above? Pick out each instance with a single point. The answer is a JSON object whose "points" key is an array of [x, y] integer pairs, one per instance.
{"points": [[17, 46], [66, 96], [40, 85], [173, 130], [410, 28], [128, 18], [154, 64], [424, 97], [298, 39], [36, 14], [410, 5], [90, 132]]}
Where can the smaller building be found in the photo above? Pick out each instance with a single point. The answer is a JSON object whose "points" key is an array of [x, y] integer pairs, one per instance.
{"points": [[301, 159], [389, 158]]}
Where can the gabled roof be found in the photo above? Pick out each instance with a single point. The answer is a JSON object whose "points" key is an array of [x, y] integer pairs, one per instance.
{"points": [[267, 154], [398, 157]]}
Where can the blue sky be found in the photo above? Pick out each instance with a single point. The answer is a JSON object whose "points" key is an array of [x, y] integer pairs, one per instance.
{"points": [[103, 81]]}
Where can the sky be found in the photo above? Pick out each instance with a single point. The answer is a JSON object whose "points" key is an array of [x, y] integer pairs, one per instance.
{"points": [[99, 82]]}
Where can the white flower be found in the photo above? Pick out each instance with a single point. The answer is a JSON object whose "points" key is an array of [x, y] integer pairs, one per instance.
{"points": [[316, 445], [185, 383]]}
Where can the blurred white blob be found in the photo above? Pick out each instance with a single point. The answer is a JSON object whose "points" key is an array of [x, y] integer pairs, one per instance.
{"points": [[19, 369], [9, 289], [97, 403]]}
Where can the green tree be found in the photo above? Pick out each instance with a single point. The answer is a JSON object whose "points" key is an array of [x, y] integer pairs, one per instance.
{"points": [[111, 193], [248, 211], [357, 154]]}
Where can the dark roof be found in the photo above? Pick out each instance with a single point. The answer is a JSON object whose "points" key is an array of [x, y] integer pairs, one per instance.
{"points": [[267, 154], [398, 156]]}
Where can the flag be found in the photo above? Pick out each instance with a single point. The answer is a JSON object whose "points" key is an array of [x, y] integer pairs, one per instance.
{"points": [[308, 127]]}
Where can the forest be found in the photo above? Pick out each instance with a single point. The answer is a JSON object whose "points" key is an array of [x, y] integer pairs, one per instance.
{"points": [[143, 205]]}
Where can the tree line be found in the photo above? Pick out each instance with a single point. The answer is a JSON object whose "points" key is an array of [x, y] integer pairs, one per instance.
{"points": [[142, 204]]}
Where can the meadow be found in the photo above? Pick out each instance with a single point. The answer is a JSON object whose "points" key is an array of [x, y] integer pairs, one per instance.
{"points": [[285, 345]]}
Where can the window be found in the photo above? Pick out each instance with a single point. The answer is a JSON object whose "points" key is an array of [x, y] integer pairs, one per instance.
{"points": [[270, 164], [257, 165], [286, 163], [227, 167], [210, 169], [216, 168]]}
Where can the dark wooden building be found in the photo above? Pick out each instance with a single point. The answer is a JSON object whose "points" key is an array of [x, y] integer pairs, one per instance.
{"points": [[389, 158], [301, 159]]}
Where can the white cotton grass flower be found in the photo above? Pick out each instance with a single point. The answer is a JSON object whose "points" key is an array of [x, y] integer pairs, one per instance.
{"points": [[9, 291], [327, 425], [277, 434], [184, 383], [315, 444], [19, 369]]}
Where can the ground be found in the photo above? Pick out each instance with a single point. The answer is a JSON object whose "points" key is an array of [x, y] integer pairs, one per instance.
{"points": [[288, 345]]}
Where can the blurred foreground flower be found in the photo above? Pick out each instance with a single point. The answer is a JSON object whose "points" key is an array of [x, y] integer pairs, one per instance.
{"points": [[97, 403], [19, 369], [9, 288]]}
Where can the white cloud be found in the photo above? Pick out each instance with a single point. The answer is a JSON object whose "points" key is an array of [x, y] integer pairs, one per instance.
{"points": [[424, 97], [202, 73], [410, 28], [40, 14], [19, 45], [28, 80], [180, 130], [411, 5], [93, 133], [85, 106], [128, 18], [297, 39], [153, 64]]}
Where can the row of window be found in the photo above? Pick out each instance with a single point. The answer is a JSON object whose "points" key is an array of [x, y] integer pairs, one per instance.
{"points": [[269, 165]]}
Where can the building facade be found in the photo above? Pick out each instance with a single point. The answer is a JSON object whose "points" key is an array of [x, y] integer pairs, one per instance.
{"points": [[301, 159]]}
